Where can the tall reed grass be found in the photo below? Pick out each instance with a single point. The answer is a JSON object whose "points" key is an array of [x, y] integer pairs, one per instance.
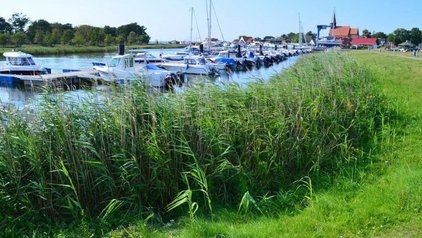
{"points": [[134, 152]]}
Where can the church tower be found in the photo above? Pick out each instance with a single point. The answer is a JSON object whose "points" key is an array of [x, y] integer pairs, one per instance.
{"points": [[334, 22]]}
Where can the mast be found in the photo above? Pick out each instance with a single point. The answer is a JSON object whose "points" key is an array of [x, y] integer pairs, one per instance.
{"points": [[191, 28], [209, 22], [300, 33]]}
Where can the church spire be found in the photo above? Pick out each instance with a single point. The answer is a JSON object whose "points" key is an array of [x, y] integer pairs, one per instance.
{"points": [[334, 23]]}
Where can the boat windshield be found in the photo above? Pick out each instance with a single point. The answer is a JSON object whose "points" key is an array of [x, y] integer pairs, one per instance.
{"points": [[19, 61], [114, 62], [31, 61], [201, 61]]}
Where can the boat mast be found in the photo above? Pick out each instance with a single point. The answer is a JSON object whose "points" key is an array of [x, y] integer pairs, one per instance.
{"points": [[300, 33], [209, 23], [218, 22], [191, 28]]}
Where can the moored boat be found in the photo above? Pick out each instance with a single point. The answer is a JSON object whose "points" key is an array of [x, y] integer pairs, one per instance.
{"points": [[19, 63], [122, 69]]}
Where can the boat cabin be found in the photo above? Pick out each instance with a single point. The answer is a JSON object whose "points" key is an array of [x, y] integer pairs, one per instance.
{"points": [[22, 64], [195, 60], [19, 58], [122, 61]]}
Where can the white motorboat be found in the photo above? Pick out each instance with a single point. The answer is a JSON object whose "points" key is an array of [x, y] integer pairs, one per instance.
{"points": [[177, 56], [145, 57], [19, 63], [190, 65], [123, 69]]}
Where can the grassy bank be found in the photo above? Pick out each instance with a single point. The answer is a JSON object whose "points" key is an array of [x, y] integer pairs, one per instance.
{"points": [[238, 162], [66, 49]]}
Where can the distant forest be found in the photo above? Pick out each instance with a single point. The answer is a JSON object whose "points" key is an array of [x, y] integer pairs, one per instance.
{"points": [[19, 29]]}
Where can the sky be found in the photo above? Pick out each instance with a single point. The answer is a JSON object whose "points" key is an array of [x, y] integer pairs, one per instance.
{"points": [[171, 19]]}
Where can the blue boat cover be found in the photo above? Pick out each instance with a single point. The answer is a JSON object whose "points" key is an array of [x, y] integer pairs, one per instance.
{"points": [[152, 67], [225, 60]]}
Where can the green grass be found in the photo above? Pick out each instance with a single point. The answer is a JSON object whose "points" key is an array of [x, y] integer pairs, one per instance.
{"points": [[308, 154], [66, 49], [384, 200]]}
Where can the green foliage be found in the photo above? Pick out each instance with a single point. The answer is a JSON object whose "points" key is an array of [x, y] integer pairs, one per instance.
{"points": [[415, 36], [138, 153], [366, 33], [4, 39], [19, 21], [5, 27], [18, 38]]}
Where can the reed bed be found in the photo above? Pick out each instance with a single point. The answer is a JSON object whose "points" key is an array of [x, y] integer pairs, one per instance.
{"points": [[137, 153]]}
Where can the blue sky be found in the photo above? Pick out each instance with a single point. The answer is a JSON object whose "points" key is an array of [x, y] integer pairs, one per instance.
{"points": [[170, 19]]}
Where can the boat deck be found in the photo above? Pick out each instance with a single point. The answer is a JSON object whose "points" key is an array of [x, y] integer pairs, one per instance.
{"points": [[59, 79]]}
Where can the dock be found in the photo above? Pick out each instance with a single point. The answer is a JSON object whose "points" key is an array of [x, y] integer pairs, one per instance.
{"points": [[60, 79]]}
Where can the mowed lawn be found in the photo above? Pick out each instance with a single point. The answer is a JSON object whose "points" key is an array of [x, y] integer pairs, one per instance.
{"points": [[383, 200]]}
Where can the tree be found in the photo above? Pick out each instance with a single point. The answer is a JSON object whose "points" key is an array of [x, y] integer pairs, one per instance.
{"points": [[39, 37], [415, 36], [67, 37], [56, 35], [109, 40], [366, 33], [125, 30], [42, 26], [4, 39], [5, 27], [108, 30], [48, 39], [310, 36], [19, 21], [401, 35], [379, 35], [132, 38], [391, 38], [144, 39], [79, 38], [18, 38]]}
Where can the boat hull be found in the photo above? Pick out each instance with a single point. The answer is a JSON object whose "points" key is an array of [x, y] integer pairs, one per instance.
{"points": [[187, 69]]}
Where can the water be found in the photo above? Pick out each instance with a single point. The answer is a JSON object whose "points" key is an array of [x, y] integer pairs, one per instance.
{"points": [[24, 98]]}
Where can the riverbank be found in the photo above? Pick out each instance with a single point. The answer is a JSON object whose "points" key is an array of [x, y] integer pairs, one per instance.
{"points": [[272, 149], [381, 200], [66, 49]]}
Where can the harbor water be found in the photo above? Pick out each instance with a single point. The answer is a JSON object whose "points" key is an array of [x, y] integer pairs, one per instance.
{"points": [[21, 98]]}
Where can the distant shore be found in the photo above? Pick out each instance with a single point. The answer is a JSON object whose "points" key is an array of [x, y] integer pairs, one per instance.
{"points": [[66, 49]]}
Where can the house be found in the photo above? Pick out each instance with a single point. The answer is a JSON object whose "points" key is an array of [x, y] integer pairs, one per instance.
{"points": [[245, 40], [406, 45], [370, 42]]}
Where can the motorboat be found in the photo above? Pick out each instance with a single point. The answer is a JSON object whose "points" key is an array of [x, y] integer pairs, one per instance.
{"points": [[191, 64], [144, 57], [19, 63], [122, 69], [177, 56]]}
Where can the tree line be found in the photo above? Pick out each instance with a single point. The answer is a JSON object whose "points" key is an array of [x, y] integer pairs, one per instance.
{"points": [[398, 36], [19, 29]]}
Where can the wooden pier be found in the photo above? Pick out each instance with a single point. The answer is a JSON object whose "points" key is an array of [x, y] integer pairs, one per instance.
{"points": [[75, 78]]}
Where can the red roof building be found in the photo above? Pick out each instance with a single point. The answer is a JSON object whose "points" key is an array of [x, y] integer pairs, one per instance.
{"points": [[246, 39], [343, 33], [364, 41]]}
